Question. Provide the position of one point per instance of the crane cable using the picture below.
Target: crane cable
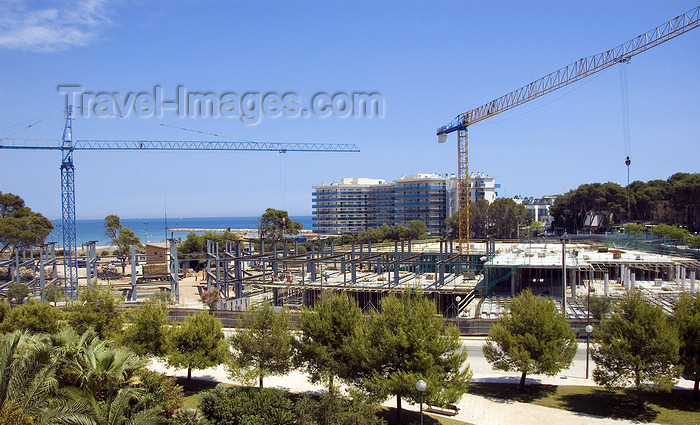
(206, 133)
(624, 97)
(38, 120)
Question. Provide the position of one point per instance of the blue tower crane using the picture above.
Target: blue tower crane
(67, 146)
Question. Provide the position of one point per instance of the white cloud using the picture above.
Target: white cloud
(50, 26)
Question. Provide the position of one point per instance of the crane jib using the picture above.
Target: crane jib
(576, 71)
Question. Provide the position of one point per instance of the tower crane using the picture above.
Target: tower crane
(569, 74)
(67, 146)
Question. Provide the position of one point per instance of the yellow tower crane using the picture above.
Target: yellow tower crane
(571, 73)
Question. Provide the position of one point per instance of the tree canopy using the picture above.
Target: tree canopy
(636, 345)
(197, 343)
(99, 308)
(687, 320)
(407, 342)
(532, 337)
(675, 201)
(263, 345)
(122, 237)
(275, 224)
(416, 230)
(571, 209)
(19, 225)
(502, 218)
(146, 333)
(328, 331)
(33, 317)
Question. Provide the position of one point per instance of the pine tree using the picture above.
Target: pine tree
(687, 320)
(408, 342)
(263, 345)
(637, 345)
(532, 337)
(328, 331)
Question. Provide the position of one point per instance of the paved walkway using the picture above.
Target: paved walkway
(473, 409)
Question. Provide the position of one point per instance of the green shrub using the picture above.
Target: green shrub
(17, 292)
(33, 317)
(189, 417)
(99, 308)
(162, 392)
(333, 409)
(4, 310)
(247, 406)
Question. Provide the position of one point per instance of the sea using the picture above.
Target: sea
(157, 229)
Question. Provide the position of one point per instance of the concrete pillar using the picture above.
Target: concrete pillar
(175, 271)
(606, 283)
(275, 269)
(312, 270)
(369, 247)
(692, 282)
(678, 274)
(133, 272)
(683, 273)
(343, 269)
(396, 273)
(238, 271)
(623, 276)
(633, 279)
(17, 264)
(574, 282)
(42, 275)
(512, 282)
(409, 246)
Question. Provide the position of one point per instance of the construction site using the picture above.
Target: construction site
(470, 280)
(471, 290)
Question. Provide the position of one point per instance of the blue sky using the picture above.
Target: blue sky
(429, 61)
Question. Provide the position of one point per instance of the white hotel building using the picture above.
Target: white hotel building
(356, 204)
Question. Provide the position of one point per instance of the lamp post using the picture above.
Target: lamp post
(458, 299)
(421, 386)
(589, 329)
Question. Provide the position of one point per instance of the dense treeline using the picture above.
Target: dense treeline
(502, 219)
(675, 201)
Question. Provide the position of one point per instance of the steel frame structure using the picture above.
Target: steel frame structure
(67, 146)
(226, 268)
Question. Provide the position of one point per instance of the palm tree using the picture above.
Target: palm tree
(28, 386)
(104, 377)
(100, 379)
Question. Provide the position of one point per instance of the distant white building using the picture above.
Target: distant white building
(356, 204)
(539, 210)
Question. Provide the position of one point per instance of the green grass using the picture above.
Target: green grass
(192, 389)
(413, 418)
(673, 408)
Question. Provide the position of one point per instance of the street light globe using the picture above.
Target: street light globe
(589, 328)
(458, 298)
(421, 385)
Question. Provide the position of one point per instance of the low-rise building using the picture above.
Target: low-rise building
(539, 210)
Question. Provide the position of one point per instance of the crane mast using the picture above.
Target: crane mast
(562, 77)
